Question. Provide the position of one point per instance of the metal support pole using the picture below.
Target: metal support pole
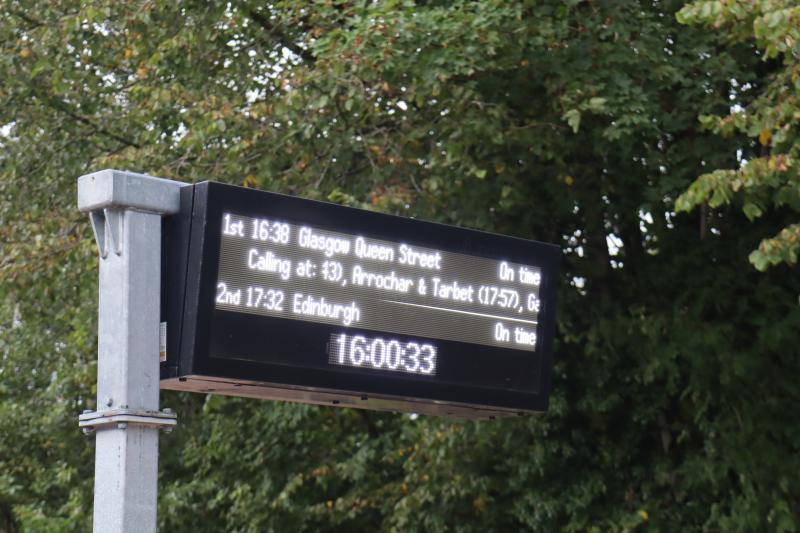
(125, 211)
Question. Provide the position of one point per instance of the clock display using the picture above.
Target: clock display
(378, 353)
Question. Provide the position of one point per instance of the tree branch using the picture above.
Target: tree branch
(278, 34)
(59, 105)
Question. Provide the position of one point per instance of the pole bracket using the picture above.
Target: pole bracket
(123, 418)
(107, 194)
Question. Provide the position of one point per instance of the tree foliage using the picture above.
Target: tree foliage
(569, 122)
(771, 179)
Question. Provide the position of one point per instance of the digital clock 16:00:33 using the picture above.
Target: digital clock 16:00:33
(382, 354)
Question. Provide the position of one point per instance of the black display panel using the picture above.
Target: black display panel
(283, 294)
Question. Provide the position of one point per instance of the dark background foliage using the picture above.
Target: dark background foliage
(675, 397)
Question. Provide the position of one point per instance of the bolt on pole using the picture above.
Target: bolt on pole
(125, 211)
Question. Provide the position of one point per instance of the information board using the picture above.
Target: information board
(316, 302)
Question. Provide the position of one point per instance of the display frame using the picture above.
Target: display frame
(192, 243)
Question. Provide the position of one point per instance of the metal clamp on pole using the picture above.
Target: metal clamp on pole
(91, 421)
(126, 210)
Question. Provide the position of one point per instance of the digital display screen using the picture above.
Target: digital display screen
(277, 296)
(301, 272)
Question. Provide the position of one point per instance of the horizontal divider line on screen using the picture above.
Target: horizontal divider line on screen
(460, 311)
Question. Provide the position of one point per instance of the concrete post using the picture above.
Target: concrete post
(125, 211)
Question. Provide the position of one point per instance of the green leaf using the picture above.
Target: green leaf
(752, 211)
(597, 104)
(40, 66)
(573, 118)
